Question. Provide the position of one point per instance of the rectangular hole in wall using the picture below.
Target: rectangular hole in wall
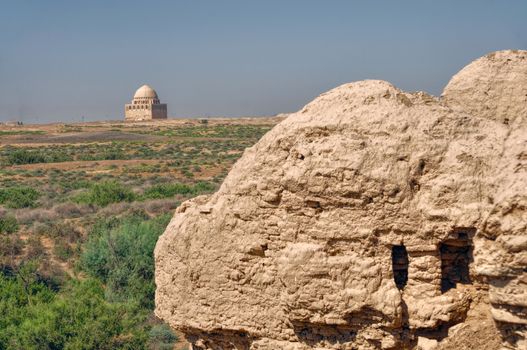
(400, 265)
(456, 255)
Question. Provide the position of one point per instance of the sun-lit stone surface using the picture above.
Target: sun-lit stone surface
(295, 249)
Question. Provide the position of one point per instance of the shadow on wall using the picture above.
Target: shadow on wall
(220, 340)
(456, 255)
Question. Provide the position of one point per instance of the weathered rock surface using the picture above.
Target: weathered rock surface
(371, 219)
(493, 86)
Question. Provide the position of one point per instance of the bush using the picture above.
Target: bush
(170, 190)
(34, 317)
(8, 224)
(22, 156)
(18, 156)
(113, 155)
(104, 193)
(19, 197)
(121, 254)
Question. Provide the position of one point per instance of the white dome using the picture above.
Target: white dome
(145, 91)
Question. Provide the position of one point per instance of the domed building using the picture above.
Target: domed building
(145, 106)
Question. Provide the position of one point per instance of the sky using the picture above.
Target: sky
(68, 60)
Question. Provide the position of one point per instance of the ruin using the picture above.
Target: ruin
(373, 218)
(145, 106)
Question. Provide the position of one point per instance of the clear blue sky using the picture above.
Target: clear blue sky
(60, 60)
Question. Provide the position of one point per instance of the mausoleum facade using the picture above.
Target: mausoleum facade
(145, 106)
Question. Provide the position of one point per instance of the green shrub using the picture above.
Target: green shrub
(22, 156)
(19, 197)
(113, 154)
(8, 224)
(121, 254)
(104, 193)
(188, 173)
(18, 156)
(172, 189)
(34, 317)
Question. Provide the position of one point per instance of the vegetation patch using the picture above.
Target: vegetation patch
(121, 254)
(104, 193)
(8, 224)
(34, 317)
(218, 131)
(20, 132)
(172, 189)
(19, 197)
(98, 220)
(24, 156)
